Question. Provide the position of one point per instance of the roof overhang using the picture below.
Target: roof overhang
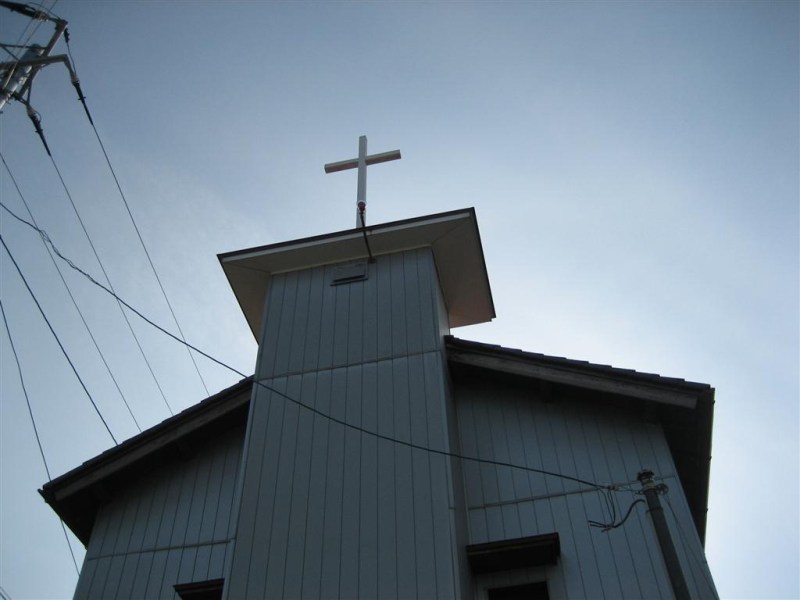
(684, 409)
(452, 236)
(77, 495)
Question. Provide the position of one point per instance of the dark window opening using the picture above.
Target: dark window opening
(200, 590)
(527, 591)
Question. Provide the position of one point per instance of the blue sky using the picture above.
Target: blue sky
(634, 168)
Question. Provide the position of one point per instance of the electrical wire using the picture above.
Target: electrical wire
(133, 222)
(311, 409)
(58, 341)
(108, 280)
(71, 297)
(35, 429)
(606, 527)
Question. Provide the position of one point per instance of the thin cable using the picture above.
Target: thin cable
(35, 429)
(311, 409)
(108, 280)
(605, 527)
(71, 297)
(136, 227)
(364, 231)
(58, 341)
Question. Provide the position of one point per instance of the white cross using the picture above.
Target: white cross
(362, 162)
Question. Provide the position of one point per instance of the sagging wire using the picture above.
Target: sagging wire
(35, 429)
(130, 214)
(58, 341)
(298, 403)
(361, 211)
(71, 296)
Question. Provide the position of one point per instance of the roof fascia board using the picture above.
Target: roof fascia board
(573, 376)
(87, 475)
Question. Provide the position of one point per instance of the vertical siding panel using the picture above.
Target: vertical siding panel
(478, 529)
(370, 315)
(385, 301)
(299, 504)
(560, 424)
(184, 503)
(328, 320)
(156, 574)
(170, 578)
(170, 507)
(505, 476)
(628, 538)
(216, 562)
(355, 319)
(84, 587)
(286, 330)
(223, 525)
(144, 493)
(126, 576)
(113, 577)
(387, 533)
(611, 544)
(186, 566)
(265, 496)
(113, 513)
(282, 504)
(644, 546)
(127, 516)
(197, 503)
(414, 324)
(368, 501)
(332, 532)
(428, 289)
(312, 564)
(213, 490)
(398, 314)
(537, 484)
(273, 315)
(313, 336)
(143, 567)
(584, 457)
(159, 491)
(99, 532)
(99, 578)
(406, 556)
(248, 511)
(341, 325)
(423, 517)
(547, 445)
(351, 489)
(301, 316)
(443, 501)
(201, 561)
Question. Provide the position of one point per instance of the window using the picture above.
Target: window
(200, 590)
(527, 591)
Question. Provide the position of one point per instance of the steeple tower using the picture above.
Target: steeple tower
(335, 507)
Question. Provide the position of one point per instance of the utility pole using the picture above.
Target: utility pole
(676, 578)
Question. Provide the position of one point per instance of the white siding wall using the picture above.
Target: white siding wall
(328, 511)
(513, 424)
(172, 526)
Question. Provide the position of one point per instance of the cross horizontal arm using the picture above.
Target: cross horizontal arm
(352, 163)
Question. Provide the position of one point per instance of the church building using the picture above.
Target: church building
(374, 455)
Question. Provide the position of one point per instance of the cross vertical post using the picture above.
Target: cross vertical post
(361, 163)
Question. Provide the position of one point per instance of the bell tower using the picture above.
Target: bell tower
(345, 490)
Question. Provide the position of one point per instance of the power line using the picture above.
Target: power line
(71, 297)
(311, 409)
(58, 341)
(35, 429)
(108, 279)
(136, 227)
